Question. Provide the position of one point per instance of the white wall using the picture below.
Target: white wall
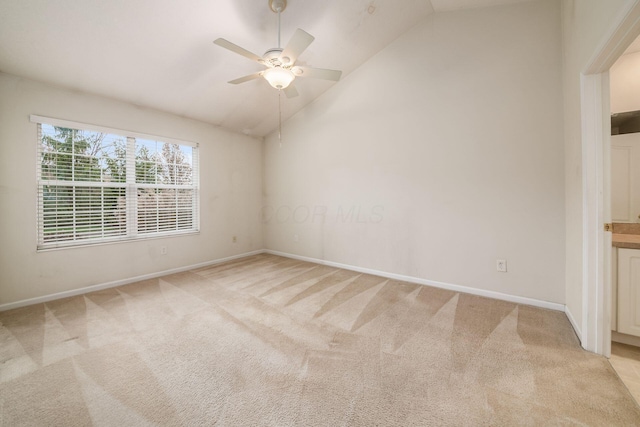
(625, 84)
(585, 23)
(446, 148)
(231, 178)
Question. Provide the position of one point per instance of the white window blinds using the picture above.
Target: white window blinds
(99, 185)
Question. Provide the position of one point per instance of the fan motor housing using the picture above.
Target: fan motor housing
(272, 56)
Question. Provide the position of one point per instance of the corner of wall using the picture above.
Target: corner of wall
(573, 322)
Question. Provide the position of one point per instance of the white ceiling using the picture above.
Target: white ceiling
(159, 53)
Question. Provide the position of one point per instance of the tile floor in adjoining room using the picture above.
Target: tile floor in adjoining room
(625, 359)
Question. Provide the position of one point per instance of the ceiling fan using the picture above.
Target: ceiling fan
(281, 70)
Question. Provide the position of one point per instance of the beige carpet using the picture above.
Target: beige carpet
(269, 341)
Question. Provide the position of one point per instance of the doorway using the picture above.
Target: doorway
(624, 84)
(596, 168)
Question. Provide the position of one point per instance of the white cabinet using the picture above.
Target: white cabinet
(625, 177)
(614, 289)
(629, 291)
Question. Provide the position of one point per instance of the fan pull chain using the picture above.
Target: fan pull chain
(280, 116)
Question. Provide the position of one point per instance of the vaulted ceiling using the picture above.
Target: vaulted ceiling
(159, 53)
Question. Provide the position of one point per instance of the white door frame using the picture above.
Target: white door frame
(596, 163)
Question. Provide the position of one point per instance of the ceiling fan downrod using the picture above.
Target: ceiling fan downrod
(278, 6)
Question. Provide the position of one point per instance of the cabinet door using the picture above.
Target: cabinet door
(625, 177)
(629, 291)
(614, 289)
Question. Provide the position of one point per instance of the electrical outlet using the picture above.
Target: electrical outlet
(163, 250)
(234, 239)
(501, 265)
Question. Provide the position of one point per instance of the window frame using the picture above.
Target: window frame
(132, 233)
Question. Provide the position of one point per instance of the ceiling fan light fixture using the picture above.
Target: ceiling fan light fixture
(278, 77)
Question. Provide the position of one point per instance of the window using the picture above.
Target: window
(98, 185)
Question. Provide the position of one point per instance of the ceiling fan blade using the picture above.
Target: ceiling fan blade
(298, 43)
(317, 73)
(246, 78)
(291, 91)
(237, 49)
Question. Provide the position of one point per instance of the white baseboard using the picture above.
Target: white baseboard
(101, 286)
(573, 322)
(625, 339)
(443, 285)
(457, 288)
